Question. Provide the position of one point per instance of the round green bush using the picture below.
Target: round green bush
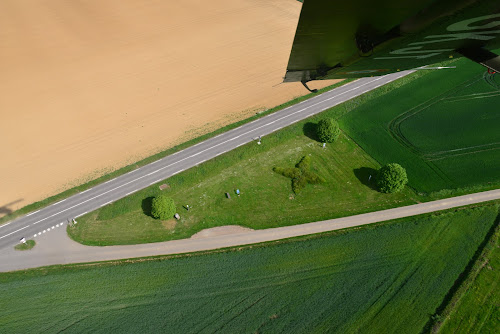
(328, 130)
(391, 178)
(162, 207)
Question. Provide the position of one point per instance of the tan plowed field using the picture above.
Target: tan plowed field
(88, 86)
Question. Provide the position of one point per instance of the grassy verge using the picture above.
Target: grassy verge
(126, 169)
(473, 307)
(387, 278)
(266, 198)
(25, 246)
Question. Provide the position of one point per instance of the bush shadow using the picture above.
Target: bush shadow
(363, 175)
(146, 206)
(309, 130)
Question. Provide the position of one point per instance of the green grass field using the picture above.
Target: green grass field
(388, 278)
(26, 246)
(478, 311)
(443, 127)
(266, 198)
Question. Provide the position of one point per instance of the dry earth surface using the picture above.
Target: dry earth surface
(89, 86)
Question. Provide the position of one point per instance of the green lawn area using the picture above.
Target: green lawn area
(478, 310)
(442, 127)
(266, 198)
(385, 278)
(26, 246)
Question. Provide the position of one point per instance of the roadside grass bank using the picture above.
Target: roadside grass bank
(67, 193)
(443, 128)
(266, 198)
(474, 307)
(387, 277)
(25, 246)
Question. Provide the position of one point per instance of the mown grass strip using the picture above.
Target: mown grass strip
(266, 198)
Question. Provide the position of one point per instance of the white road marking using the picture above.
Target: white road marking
(34, 236)
(5, 224)
(81, 214)
(108, 181)
(60, 201)
(39, 233)
(14, 232)
(85, 191)
(43, 231)
(29, 214)
(52, 227)
(130, 193)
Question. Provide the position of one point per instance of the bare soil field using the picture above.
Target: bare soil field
(89, 86)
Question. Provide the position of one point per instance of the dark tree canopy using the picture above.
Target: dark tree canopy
(391, 178)
(328, 130)
(300, 175)
(162, 207)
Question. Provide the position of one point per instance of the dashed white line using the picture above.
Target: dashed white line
(60, 201)
(5, 224)
(14, 232)
(29, 214)
(81, 214)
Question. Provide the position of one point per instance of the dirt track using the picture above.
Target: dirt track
(89, 86)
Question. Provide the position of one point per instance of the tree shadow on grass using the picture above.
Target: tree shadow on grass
(309, 130)
(363, 175)
(146, 206)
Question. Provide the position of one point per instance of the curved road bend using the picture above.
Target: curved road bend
(57, 248)
(37, 222)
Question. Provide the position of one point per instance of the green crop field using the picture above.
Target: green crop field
(388, 278)
(478, 310)
(266, 198)
(443, 127)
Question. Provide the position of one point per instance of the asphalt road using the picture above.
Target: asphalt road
(37, 223)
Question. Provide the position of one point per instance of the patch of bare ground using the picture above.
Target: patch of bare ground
(220, 230)
(169, 224)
